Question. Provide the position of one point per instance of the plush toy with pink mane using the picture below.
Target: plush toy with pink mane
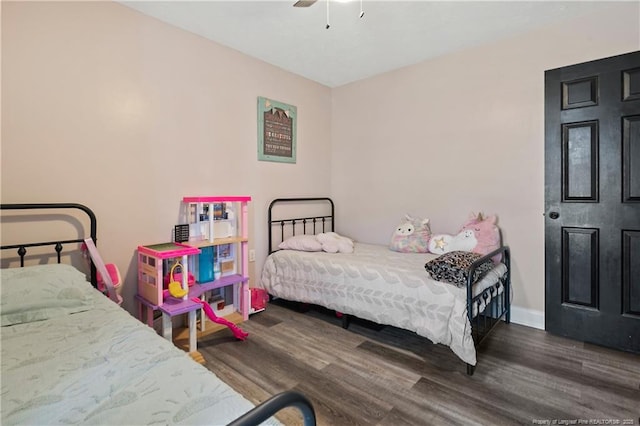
(485, 231)
(478, 235)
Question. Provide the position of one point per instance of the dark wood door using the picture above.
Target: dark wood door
(592, 201)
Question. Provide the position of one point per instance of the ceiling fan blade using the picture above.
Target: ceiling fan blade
(304, 3)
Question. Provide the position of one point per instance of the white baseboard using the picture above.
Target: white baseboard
(528, 317)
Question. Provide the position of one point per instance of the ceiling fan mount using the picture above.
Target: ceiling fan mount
(307, 3)
(304, 3)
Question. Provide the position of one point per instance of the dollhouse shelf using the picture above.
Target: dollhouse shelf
(218, 242)
(173, 306)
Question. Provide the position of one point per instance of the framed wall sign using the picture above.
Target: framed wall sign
(276, 131)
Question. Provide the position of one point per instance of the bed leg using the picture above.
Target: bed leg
(304, 307)
(506, 311)
(345, 321)
(470, 369)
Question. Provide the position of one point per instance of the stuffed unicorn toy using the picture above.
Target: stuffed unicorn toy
(479, 235)
(411, 236)
(485, 231)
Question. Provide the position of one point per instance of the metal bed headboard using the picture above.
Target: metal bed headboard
(316, 224)
(58, 245)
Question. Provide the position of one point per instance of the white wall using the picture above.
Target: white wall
(108, 107)
(463, 133)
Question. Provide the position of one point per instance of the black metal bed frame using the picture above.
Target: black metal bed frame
(313, 221)
(59, 244)
(268, 408)
(255, 416)
(497, 303)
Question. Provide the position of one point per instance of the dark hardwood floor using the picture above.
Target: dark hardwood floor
(373, 375)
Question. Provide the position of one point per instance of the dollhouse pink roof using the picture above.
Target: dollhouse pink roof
(215, 199)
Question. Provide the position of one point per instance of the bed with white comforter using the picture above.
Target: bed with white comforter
(383, 286)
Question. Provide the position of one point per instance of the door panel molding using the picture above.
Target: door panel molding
(580, 172)
(580, 93)
(631, 272)
(631, 84)
(631, 159)
(580, 272)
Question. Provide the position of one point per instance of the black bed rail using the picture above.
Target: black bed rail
(497, 304)
(292, 222)
(58, 245)
(273, 405)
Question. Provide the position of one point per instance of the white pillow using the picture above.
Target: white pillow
(333, 242)
(302, 243)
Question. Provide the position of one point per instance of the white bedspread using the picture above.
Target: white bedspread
(379, 285)
(103, 366)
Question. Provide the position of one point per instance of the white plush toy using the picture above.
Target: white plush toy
(479, 235)
(335, 243)
(444, 243)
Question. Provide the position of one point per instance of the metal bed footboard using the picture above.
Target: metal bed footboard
(273, 405)
(58, 245)
(497, 304)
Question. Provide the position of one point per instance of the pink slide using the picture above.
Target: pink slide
(237, 331)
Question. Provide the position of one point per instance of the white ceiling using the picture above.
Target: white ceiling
(392, 34)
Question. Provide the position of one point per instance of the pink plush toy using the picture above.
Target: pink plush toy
(411, 236)
(485, 231)
(479, 235)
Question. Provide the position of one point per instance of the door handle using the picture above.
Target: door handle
(554, 215)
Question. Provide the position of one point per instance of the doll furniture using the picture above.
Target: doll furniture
(196, 255)
(151, 294)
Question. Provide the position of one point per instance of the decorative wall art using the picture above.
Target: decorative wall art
(276, 131)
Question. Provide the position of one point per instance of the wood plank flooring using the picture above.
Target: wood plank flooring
(374, 375)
